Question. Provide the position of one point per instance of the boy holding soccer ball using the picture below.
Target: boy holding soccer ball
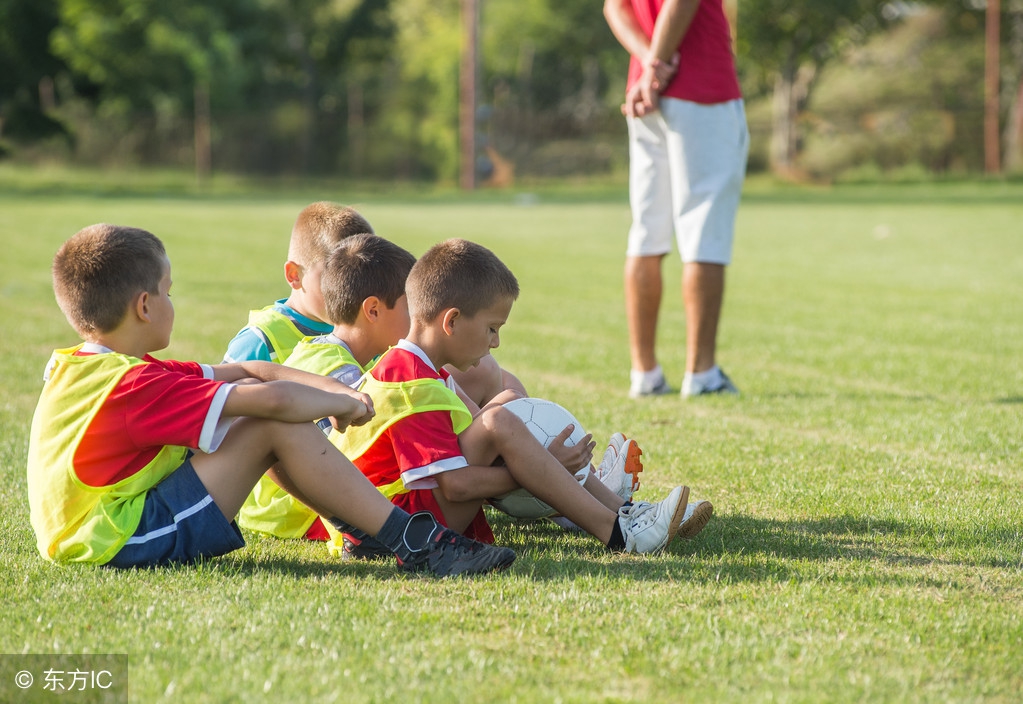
(111, 477)
(363, 286)
(426, 451)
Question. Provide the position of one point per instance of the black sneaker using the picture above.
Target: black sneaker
(448, 553)
(366, 549)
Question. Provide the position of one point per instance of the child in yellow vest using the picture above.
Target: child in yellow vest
(112, 479)
(426, 450)
(273, 332)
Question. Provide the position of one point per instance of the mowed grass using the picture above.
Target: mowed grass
(867, 543)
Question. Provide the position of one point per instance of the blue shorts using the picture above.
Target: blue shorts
(180, 524)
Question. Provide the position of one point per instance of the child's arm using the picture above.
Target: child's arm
(291, 395)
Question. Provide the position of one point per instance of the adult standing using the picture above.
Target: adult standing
(688, 144)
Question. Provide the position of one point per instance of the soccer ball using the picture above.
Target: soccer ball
(545, 420)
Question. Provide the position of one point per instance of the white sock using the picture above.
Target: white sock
(645, 381)
(710, 379)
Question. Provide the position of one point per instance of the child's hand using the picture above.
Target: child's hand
(362, 411)
(575, 457)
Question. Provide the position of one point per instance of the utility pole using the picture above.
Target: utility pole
(467, 98)
(992, 34)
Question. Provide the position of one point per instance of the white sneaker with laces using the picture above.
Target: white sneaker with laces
(649, 527)
(619, 469)
(696, 517)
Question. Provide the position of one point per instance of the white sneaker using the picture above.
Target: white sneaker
(723, 385)
(620, 468)
(638, 388)
(696, 517)
(649, 527)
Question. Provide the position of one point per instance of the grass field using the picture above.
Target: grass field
(868, 537)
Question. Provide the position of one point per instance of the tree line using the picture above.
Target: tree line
(370, 88)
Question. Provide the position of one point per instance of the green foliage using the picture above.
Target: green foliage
(777, 36)
(24, 64)
(908, 99)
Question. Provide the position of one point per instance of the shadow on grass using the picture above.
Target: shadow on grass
(1010, 399)
(733, 549)
(750, 549)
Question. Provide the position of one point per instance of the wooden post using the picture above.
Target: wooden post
(992, 144)
(467, 99)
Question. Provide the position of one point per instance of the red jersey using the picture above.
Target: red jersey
(160, 403)
(706, 70)
(417, 447)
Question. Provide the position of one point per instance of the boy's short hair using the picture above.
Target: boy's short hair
(99, 271)
(457, 274)
(320, 227)
(362, 266)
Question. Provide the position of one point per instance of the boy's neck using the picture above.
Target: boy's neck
(121, 344)
(428, 343)
(298, 305)
(359, 343)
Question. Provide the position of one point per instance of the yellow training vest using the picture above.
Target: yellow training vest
(75, 522)
(394, 401)
(279, 329)
(269, 508)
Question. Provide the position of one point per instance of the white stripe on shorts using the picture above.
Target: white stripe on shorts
(167, 530)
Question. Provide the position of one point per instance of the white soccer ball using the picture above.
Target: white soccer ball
(545, 420)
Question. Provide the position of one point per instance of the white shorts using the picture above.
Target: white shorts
(687, 162)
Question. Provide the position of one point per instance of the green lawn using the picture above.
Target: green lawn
(867, 543)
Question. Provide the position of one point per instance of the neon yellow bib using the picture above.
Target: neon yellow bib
(394, 401)
(269, 508)
(280, 331)
(75, 522)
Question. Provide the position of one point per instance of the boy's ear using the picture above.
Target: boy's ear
(448, 318)
(371, 308)
(140, 306)
(293, 274)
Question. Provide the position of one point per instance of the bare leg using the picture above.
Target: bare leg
(643, 290)
(703, 288)
(321, 477)
(602, 494)
(499, 433)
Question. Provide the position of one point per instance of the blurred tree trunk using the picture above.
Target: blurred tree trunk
(203, 151)
(1014, 132)
(791, 90)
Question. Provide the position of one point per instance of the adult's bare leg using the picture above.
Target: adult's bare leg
(703, 289)
(643, 291)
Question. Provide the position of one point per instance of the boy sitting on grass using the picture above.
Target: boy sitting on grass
(273, 332)
(111, 477)
(363, 286)
(426, 451)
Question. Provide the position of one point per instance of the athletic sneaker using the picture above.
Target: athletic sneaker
(649, 527)
(447, 553)
(697, 515)
(366, 549)
(660, 388)
(619, 469)
(691, 388)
